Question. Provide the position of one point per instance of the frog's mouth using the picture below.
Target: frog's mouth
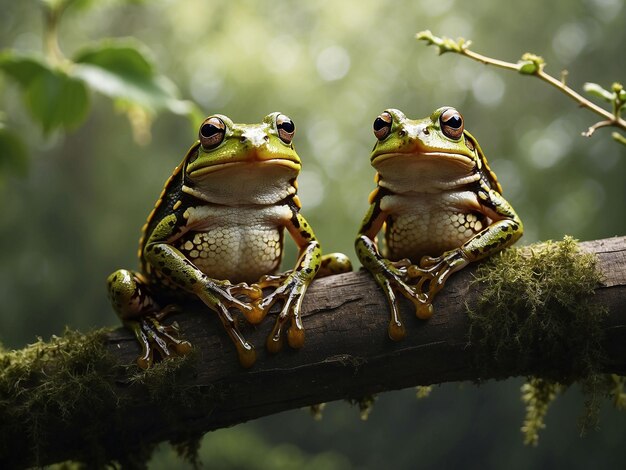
(200, 172)
(443, 157)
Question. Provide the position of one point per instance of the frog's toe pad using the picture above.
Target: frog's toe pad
(295, 337)
(423, 310)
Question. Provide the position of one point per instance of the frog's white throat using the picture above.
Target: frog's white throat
(245, 184)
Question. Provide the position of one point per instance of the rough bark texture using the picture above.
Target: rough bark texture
(347, 354)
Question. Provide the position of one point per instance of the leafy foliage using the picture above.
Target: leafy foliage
(55, 89)
(121, 70)
(13, 153)
(54, 98)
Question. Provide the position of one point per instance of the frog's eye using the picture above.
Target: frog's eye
(212, 132)
(382, 125)
(286, 128)
(452, 123)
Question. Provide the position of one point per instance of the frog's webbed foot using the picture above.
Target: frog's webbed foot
(153, 336)
(222, 296)
(432, 273)
(392, 278)
(290, 289)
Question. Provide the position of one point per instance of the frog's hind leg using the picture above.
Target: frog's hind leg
(139, 312)
(334, 263)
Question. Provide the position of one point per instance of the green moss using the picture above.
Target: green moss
(60, 390)
(365, 404)
(536, 313)
(537, 394)
(47, 382)
(423, 391)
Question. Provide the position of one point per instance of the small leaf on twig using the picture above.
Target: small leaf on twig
(443, 43)
(596, 90)
(530, 64)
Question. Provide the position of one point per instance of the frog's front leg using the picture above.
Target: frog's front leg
(129, 295)
(290, 287)
(506, 229)
(219, 296)
(390, 276)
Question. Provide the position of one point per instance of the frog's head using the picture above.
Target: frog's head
(432, 151)
(236, 163)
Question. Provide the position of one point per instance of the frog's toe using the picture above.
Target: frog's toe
(295, 337)
(253, 292)
(246, 354)
(424, 310)
(272, 280)
(144, 362)
(396, 330)
(274, 342)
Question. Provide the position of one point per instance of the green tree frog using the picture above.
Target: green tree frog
(438, 203)
(216, 234)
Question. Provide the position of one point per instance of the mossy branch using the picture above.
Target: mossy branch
(532, 64)
(81, 397)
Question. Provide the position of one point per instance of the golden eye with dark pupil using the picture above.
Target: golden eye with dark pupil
(382, 125)
(452, 123)
(212, 132)
(286, 128)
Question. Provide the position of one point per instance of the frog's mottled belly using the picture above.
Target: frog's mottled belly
(240, 244)
(429, 224)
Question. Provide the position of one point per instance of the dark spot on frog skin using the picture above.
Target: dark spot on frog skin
(305, 234)
(491, 246)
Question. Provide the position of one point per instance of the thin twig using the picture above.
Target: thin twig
(531, 64)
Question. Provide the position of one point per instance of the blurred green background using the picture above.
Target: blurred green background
(71, 212)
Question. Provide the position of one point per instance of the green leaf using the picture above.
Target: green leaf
(21, 68)
(122, 70)
(53, 98)
(599, 92)
(13, 154)
(444, 44)
(530, 64)
(57, 100)
(619, 138)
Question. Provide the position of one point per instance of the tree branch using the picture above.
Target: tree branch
(347, 355)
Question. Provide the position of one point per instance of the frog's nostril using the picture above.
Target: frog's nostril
(243, 138)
